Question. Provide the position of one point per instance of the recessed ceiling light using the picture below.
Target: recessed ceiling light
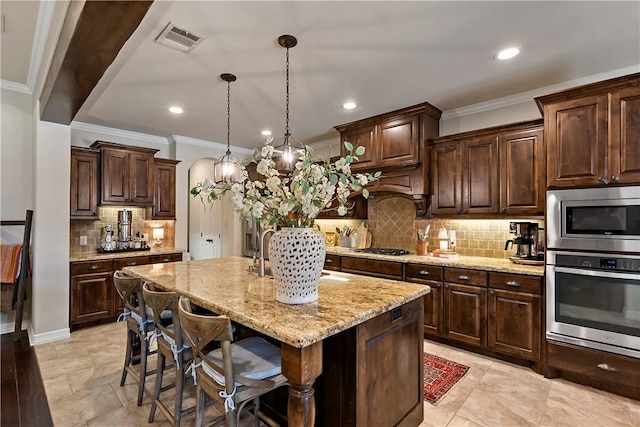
(175, 110)
(507, 53)
(265, 132)
(349, 105)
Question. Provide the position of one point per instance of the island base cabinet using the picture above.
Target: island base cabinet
(465, 313)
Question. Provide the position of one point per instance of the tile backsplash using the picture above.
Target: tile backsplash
(392, 223)
(109, 215)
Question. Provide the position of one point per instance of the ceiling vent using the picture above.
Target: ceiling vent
(178, 38)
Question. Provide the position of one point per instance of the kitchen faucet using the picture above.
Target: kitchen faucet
(263, 233)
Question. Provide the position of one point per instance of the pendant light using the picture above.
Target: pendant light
(291, 150)
(225, 169)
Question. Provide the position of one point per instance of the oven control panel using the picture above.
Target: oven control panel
(598, 262)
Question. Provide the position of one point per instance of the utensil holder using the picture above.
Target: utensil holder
(422, 247)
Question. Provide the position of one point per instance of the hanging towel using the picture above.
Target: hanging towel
(10, 269)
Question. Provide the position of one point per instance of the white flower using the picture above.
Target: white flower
(363, 180)
(263, 166)
(342, 210)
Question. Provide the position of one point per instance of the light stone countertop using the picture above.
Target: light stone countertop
(225, 286)
(476, 263)
(96, 256)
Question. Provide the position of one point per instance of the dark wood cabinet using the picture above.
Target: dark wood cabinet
(85, 181)
(357, 208)
(465, 306)
(491, 171)
(332, 262)
(127, 174)
(433, 301)
(592, 134)
(164, 195)
(396, 145)
(369, 267)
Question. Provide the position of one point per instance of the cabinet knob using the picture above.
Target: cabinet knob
(436, 285)
(328, 261)
(513, 283)
(446, 286)
(614, 178)
(93, 267)
(603, 180)
(424, 272)
(165, 260)
(132, 263)
(463, 277)
(607, 367)
(491, 292)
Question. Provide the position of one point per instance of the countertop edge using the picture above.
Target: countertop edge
(76, 257)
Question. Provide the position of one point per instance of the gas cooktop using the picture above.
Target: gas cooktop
(383, 251)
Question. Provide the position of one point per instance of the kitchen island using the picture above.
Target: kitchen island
(369, 328)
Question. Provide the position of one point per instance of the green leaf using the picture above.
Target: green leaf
(348, 146)
(348, 159)
(360, 150)
(377, 174)
(365, 193)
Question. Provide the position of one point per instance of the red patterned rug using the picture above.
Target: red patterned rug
(440, 375)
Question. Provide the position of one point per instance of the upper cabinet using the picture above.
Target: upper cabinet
(498, 170)
(127, 174)
(592, 134)
(164, 196)
(85, 181)
(395, 144)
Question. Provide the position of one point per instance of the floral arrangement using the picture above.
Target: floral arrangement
(295, 199)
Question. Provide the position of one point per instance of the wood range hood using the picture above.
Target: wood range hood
(396, 144)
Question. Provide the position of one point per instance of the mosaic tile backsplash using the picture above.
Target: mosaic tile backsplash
(392, 223)
(109, 215)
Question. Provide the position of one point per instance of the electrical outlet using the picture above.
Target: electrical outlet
(83, 240)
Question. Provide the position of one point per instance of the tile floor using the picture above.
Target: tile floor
(81, 376)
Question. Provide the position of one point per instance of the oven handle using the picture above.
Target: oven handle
(595, 273)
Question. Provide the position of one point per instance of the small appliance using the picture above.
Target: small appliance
(526, 243)
(124, 225)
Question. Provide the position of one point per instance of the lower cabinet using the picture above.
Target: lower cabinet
(431, 276)
(93, 298)
(376, 268)
(465, 313)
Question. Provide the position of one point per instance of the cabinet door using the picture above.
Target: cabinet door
(164, 205)
(91, 297)
(624, 146)
(363, 137)
(480, 189)
(399, 141)
(115, 176)
(433, 309)
(84, 184)
(576, 138)
(514, 323)
(446, 162)
(141, 178)
(522, 173)
(465, 313)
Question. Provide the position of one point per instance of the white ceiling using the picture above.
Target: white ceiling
(382, 55)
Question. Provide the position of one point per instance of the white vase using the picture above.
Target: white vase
(297, 258)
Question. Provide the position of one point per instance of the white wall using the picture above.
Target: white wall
(452, 124)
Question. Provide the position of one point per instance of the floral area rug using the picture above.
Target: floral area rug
(440, 375)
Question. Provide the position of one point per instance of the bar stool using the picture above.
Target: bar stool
(138, 327)
(235, 374)
(171, 345)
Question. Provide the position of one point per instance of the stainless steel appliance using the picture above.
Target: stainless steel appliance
(124, 225)
(250, 239)
(593, 300)
(526, 242)
(594, 219)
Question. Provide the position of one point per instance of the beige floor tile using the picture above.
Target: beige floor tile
(572, 404)
(83, 406)
(467, 358)
(458, 421)
(130, 415)
(433, 347)
(63, 366)
(56, 388)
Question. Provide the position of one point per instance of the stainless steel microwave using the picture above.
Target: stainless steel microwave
(605, 219)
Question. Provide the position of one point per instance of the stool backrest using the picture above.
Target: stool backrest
(158, 302)
(130, 290)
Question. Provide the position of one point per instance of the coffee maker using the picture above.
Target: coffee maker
(526, 242)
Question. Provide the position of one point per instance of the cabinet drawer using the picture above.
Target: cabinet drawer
(88, 267)
(153, 259)
(332, 262)
(606, 367)
(419, 273)
(466, 276)
(119, 264)
(375, 268)
(515, 282)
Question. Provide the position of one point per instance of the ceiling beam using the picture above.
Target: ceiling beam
(92, 35)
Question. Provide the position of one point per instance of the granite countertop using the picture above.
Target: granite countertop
(477, 263)
(225, 286)
(95, 256)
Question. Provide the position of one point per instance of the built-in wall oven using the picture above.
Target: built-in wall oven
(593, 268)
(593, 300)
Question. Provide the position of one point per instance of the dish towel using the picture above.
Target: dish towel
(9, 269)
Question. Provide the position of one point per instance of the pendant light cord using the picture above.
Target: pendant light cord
(286, 128)
(228, 117)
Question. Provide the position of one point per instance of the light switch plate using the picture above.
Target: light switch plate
(83, 240)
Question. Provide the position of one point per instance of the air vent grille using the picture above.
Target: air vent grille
(178, 38)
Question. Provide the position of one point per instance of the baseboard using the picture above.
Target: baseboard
(47, 337)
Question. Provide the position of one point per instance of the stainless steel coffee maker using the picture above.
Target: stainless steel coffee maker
(124, 227)
(526, 242)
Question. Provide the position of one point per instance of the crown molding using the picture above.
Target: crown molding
(15, 87)
(45, 18)
(210, 144)
(528, 96)
(119, 133)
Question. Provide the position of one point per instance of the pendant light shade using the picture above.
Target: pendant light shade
(291, 150)
(226, 169)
